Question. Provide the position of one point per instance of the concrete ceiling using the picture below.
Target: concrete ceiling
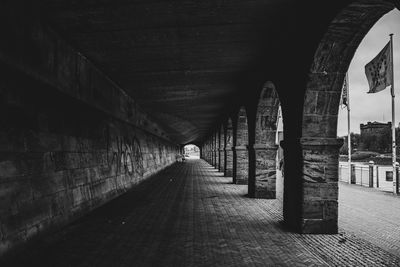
(186, 62)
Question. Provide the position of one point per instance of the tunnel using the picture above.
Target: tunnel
(100, 97)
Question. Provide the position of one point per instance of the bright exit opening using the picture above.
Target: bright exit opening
(192, 151)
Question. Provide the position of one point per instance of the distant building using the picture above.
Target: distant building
(375, 136)
(375, 128)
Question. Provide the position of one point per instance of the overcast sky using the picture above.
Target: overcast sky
(372, 107)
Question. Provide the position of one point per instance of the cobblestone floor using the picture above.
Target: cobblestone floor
(189, 215)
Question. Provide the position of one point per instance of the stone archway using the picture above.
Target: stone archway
(263, 184)
(319, 143)
(241, 148)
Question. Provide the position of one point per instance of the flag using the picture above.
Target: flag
(379, 71)
(345, 93)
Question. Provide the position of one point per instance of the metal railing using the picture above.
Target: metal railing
(369, 175)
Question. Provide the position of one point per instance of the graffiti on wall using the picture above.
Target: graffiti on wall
(125, 154)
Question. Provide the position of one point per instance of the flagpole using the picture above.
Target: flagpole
(395, 191)
(348, 126)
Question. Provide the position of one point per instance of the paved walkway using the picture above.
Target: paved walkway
(189, 215)
(370, 214)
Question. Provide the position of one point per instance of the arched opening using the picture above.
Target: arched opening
(370, 114)
(241, 149)
(263, 185)
(191, 151)
(319, 140)
(370, 170)
(280, 176)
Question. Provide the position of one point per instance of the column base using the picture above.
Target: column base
(320, 185)
(264, 194)
(242, 161)
(264, 183)
(319, 226)
(229, 162)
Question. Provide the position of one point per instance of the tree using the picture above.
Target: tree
(355, 141)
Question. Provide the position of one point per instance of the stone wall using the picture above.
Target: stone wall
(70, 138)
(60, 158)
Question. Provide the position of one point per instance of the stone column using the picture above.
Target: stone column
(209, 152)
(242, 164)
(228, 161)
(234, 165)
(228, 150)
(222, 151)
(212, 145)
(215, 152)
(205, 151)
(264, 184)
(222, 159)
(218, 151)
(320, 185)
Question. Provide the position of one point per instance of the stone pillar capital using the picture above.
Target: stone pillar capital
(239, 148)
(265, 146)
(321, 142)
(312, 142)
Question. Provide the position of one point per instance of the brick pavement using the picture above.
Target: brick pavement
(370, 214)
(190, 215)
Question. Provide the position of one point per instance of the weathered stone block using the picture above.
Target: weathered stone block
(330, 210)
(313, 209)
